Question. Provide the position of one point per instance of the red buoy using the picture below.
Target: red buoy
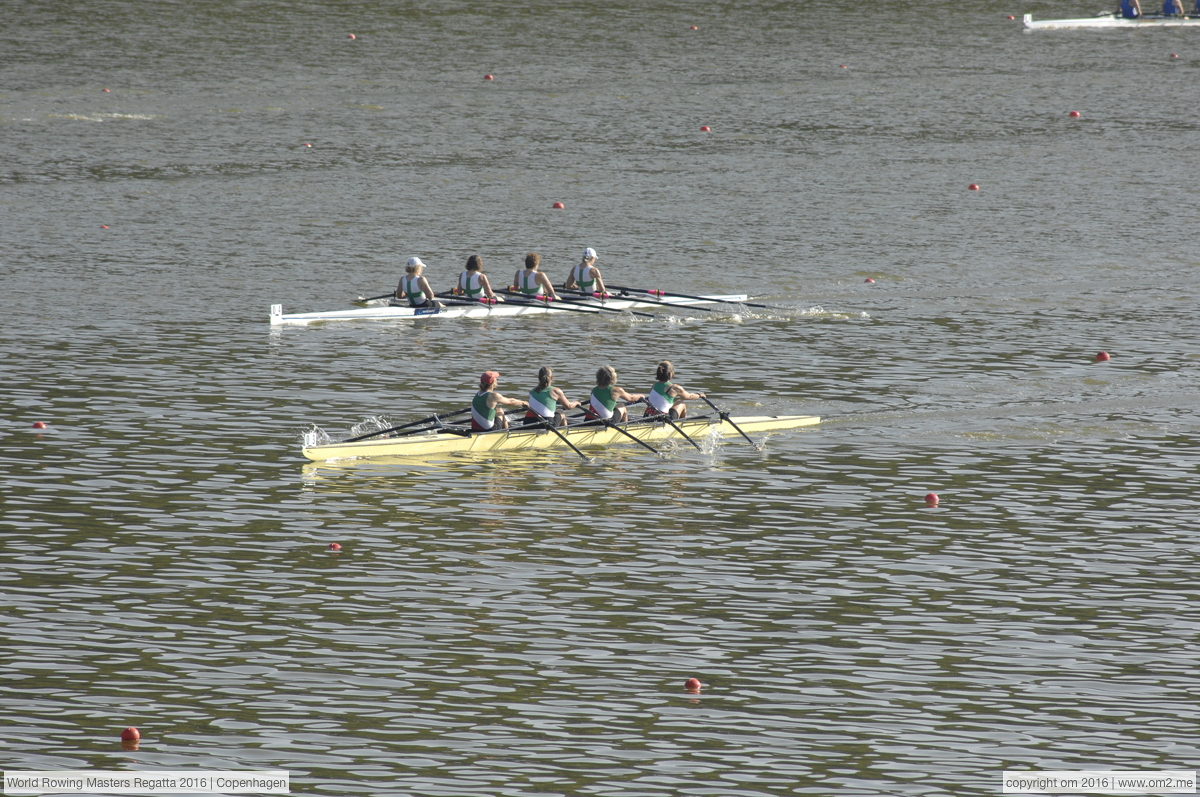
(351, 36)
(844, 66)
(1074, 114)
(488, 77)
(1102, 357)
(973, 187)
(558, 206)
(1011, 17)
(868, 279)
(107, 89)
(335, 546)
(130, 734)
(931, 499)
(705, 129)
(39, 425)
(694, 27)
(1173, 55)
(693, 685)
(307, 144)
(104, 226)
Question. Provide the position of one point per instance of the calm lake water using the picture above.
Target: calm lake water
(524, 624)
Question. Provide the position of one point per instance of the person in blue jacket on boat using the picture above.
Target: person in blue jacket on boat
(1173, 8)
(1130, 9)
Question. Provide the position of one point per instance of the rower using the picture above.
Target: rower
(1172, 8)
(1130, 9)
(473, 283)
(414, 288)
(484, 415)
(545, 399)
(602, 404)
(586, 277)
(667, 396)
(531, 283)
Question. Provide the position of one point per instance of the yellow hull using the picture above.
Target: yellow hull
(519, 438)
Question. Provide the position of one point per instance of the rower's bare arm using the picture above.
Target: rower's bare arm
(569, 285)
(562, 399)
(599, 281)
(487, 286)
(545, 282)
(624, 395)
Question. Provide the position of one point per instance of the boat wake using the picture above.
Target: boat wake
(375, 424)
(316, 436)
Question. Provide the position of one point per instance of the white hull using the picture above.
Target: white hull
(388, 313)
(1112, 21)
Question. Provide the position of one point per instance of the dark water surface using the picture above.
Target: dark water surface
(524, 625)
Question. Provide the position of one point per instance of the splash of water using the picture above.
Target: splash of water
(375, 424)
(316, 436)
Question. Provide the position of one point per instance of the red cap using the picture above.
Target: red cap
(489, 377)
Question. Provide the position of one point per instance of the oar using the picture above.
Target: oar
(689, 296)
(555, 305)
(365, 299)
(597, 296)
(601, 306)
(666, 416)
(725, 417)
(431, 419)
(642, 443)
(549, 425)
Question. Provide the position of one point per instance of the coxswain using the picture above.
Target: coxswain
(602, 405)
(484, 413)
(473, 283)
(1173, 8)
(414, 290)
(531, 283)
(1130, 9)
(586, 278)
(667, 396)
(548, 403)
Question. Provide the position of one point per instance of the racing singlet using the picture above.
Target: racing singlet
(528, 284)
(483, 417)
(1169, 8)
(470, 284)
(589, 285)
(1127, 10)
(658, 398)
(412, 290)
(540, 403)
(601, 403)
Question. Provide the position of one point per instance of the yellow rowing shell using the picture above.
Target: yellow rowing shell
(519, 438)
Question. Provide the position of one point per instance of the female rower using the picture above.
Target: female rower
(532, 283)
(585, 277)
(544, 400)
(666, 396)
(484, 415)
(1172, 8)
(414, 288)
(603, 402)
(1130, 9)
(473, 283)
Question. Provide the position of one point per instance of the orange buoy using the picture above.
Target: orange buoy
(1102, 357)
(693, 685)
(1074, 114)
(335, 546)
(844, 66)
(558, 206)
(104, 226)
(39, 424)
(705, 129)
(351, 36)
(488, 77)
(973, 187)
(104, 89)
(130, 734)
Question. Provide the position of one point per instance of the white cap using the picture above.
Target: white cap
(415, 261)
(589, 252)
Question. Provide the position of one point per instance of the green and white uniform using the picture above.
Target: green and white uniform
(471, 284)
(540, 403)
(527, 283)
(659, 399)
(586, 285)
(411, 288)
(601, 403)
(483, 417)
